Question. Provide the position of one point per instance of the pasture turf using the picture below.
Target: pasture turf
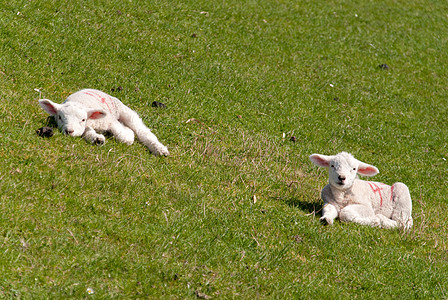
(234, 211)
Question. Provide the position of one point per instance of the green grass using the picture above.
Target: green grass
(130, 225)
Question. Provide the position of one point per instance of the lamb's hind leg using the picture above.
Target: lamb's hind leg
(402, 202)
(132, 120)
(359, 214)
(386, 222)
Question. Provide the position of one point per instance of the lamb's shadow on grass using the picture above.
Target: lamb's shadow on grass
(51, 122)
(47, 131)
(310, 208)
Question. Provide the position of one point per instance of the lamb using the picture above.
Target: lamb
(89, 113)
(363, 202)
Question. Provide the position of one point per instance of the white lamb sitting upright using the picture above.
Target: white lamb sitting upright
(364, 202)
(89, 113)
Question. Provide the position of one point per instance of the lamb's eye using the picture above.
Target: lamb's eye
(354, 169)
(59, 117)
(332, 166)
(83, 120)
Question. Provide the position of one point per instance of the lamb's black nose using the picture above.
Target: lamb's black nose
(69, 131)
(341, 178)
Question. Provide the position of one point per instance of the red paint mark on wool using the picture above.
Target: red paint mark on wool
(376, 189)
(101, 99)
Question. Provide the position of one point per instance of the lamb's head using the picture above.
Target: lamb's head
(71, 117)
(343, 168)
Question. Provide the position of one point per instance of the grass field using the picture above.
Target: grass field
(239, 79)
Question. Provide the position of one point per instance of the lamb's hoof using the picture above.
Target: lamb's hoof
(325, 222)
(99, 141)
(163, 151)
(407, 224)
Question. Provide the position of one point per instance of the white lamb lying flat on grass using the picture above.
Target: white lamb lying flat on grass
(89, 113)
(364, 202)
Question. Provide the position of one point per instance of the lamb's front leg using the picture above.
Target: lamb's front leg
(93, 137)
(329, 213)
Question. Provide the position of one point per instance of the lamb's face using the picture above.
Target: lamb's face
(71, 120)
(71, 117)
(343, 168)
(342, 171)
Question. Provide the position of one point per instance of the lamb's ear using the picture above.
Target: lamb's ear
(49, 106)
(367, 170)
(96, 114)
(320, 160)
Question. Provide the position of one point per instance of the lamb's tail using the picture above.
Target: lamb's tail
(132, 120)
